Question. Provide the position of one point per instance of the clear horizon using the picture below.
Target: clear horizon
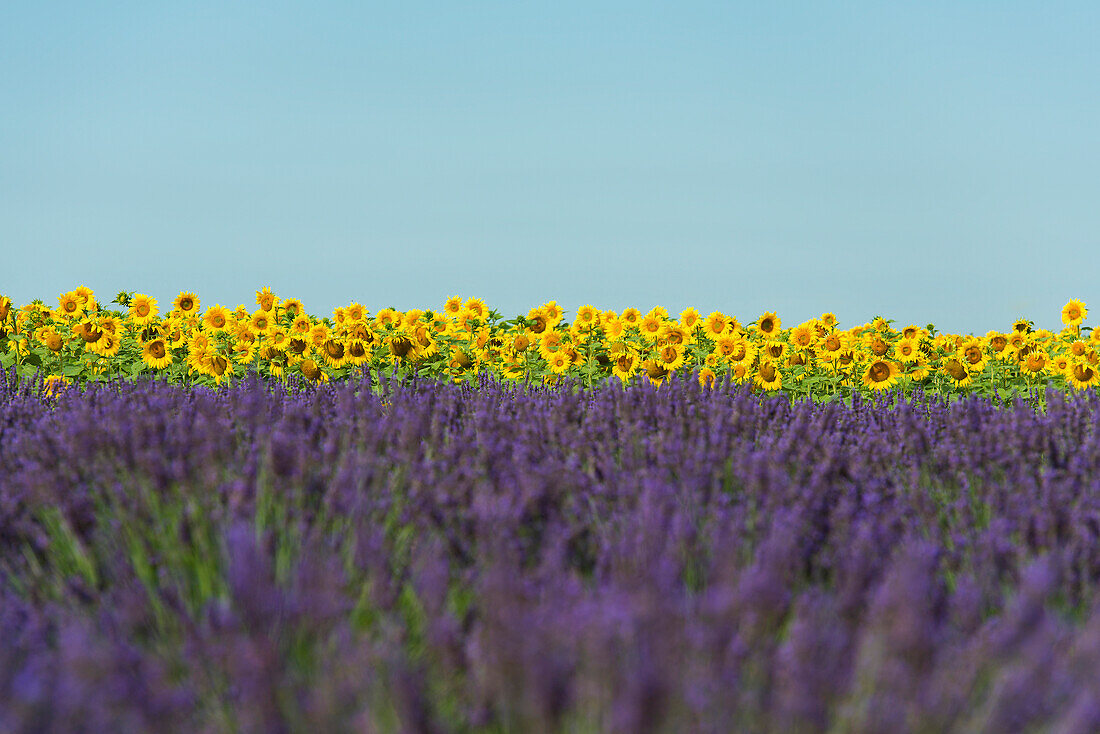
(934, 164)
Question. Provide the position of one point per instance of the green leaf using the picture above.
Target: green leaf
(72, 370)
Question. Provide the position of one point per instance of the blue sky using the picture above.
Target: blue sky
(933, 162)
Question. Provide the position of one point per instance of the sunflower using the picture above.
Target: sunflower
(769, 324)
(355, 312)
(553, 312)
(187, 303)
(1035, 363)
(293, 308)
(689, 319)
(918, 370)
(400, 346)
(706, 377)
(1082, 374)
(998, 344)
(244, 351)
(318, 335)
(312, 371)
(632, 317)
(424, 342)
(89, 331)
(107, 345)
(831, 345)
(549, 344)
(774, 350)
(155, 354)
(143, 309)
(334, 353)
(670, 357)
(881, 374)
(907, 350)
(559, 362)
(265, 299)
(803, 335)
(216, 318)
(614, 329)
(875, 344)
(715, 325)
(477, 307)
(52, 339)
(87, 298)
(972, 353)
(673, 333)
(298, 347)
(588, 317)
(624, 366)
(1074, 312)
(453, 306)
(828, 320)
(655, 371)
(70, 305)
(957, 373)
(261, 321)
(767, 376)
(387, 317)
(651, 327)
(737, 350)
(217, 367)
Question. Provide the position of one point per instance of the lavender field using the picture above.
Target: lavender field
(428, 557)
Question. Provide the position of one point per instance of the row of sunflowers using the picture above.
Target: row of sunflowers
(80, 339)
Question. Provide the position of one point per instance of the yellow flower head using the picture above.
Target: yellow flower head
(265, 299)
(769, 324)
(1074, 312)
(143, 309)
(186, 303)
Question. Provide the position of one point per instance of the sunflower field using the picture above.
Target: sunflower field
(80, 340)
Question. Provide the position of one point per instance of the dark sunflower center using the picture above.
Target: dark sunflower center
(1083, 372)
(880, 372)
(832, 344)
(186, 304)
(157, 350)
(310, 369)
(334, 349)
(766, 325)
(973, 355)
(998, 343)
(955, 369)
(879, 347)
(767, 373)
(142, 309)
(656, 371)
